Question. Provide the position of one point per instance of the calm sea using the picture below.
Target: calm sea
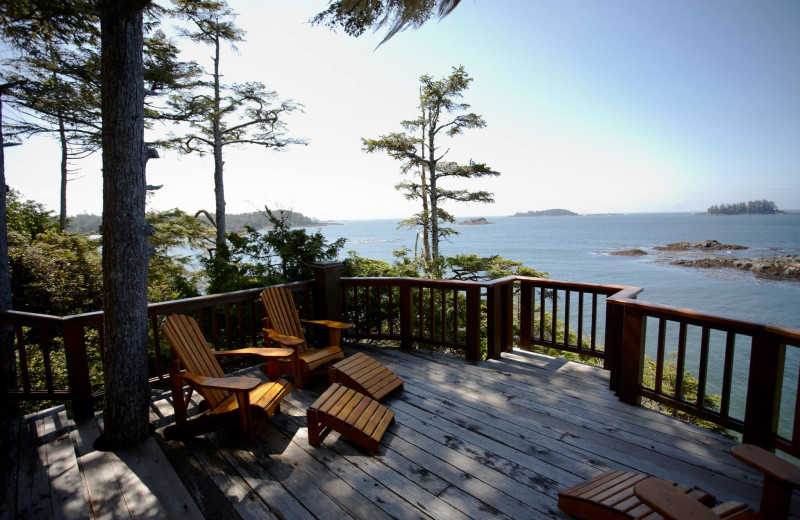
(578, 249)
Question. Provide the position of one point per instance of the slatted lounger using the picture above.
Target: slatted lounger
(609, 496)
(366, 375)
(357, 417)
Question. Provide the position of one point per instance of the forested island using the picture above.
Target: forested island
(547, 213)
(753, 207)
(89, 223)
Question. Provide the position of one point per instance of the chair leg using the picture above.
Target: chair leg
(314, 438)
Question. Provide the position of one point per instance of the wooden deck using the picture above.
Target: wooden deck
(495, 439)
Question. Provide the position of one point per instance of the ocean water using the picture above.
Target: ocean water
(577, 248)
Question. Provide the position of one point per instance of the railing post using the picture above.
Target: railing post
(615, 314)
(763, 400)
(406, 311)
(499, 319)
(328, 293)
(77, 360)
(631, 358)
(507, 315)
(525, 314)
(494, 346)
(473, 349)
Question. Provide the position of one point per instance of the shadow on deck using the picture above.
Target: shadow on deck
(495, 439)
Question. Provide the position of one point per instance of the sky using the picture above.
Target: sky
(617, 106)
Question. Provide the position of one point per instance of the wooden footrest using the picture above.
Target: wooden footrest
(357, 417)
(609, 496)
(366, 375)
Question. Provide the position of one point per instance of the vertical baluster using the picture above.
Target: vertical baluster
(254, 328)
(541, 313)
(525, 314)
(566, 318)
(156, 346)
(431, 313)
(727, 374)
(391, 310)
(580, 319)
(406, 315)
(368, 306)
(420, 311)
(681, 364)
(796, 421)
(200, 320)
(594, 322)
(228, 331)
(48, 365)
(215, 328)
(240, 324)
(23, 359)
(456, 317)
(662, 334)
(443, 327)
(703, 375)
(554, 319)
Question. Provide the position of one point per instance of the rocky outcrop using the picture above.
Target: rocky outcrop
(629, 252)
(785, 267)
(480, 221)
(703, 245)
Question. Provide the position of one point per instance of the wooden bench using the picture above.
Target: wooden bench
(366, 375)
(610, 496)
(357, 417)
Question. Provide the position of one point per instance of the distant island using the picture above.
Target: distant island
(548, 213)
(480, 221)
(754, 207)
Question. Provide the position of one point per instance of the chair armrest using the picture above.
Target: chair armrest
(286, 341)
(768, 463)
(262, 352)
(231, 384)
(329, 324)
(670, 502)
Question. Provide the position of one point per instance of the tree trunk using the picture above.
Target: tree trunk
(426, 215)
(62, 135)
(219, 186)
(434, 206)
(62, 220)
(8, 370)
(125, 251)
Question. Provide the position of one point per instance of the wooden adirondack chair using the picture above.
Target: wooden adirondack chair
(284, 326)
(246, 401)
(781, 478)
(633, 496)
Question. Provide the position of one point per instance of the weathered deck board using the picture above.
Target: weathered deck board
(489, 440)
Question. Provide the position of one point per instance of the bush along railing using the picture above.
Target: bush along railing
(752, 367)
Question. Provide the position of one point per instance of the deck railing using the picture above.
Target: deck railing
(752, 367)
(755, 377)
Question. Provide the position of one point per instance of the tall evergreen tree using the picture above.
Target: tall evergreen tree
(440, 116)
(220, 116)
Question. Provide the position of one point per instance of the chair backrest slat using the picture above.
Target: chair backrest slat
(190, 346)
(283, 316)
